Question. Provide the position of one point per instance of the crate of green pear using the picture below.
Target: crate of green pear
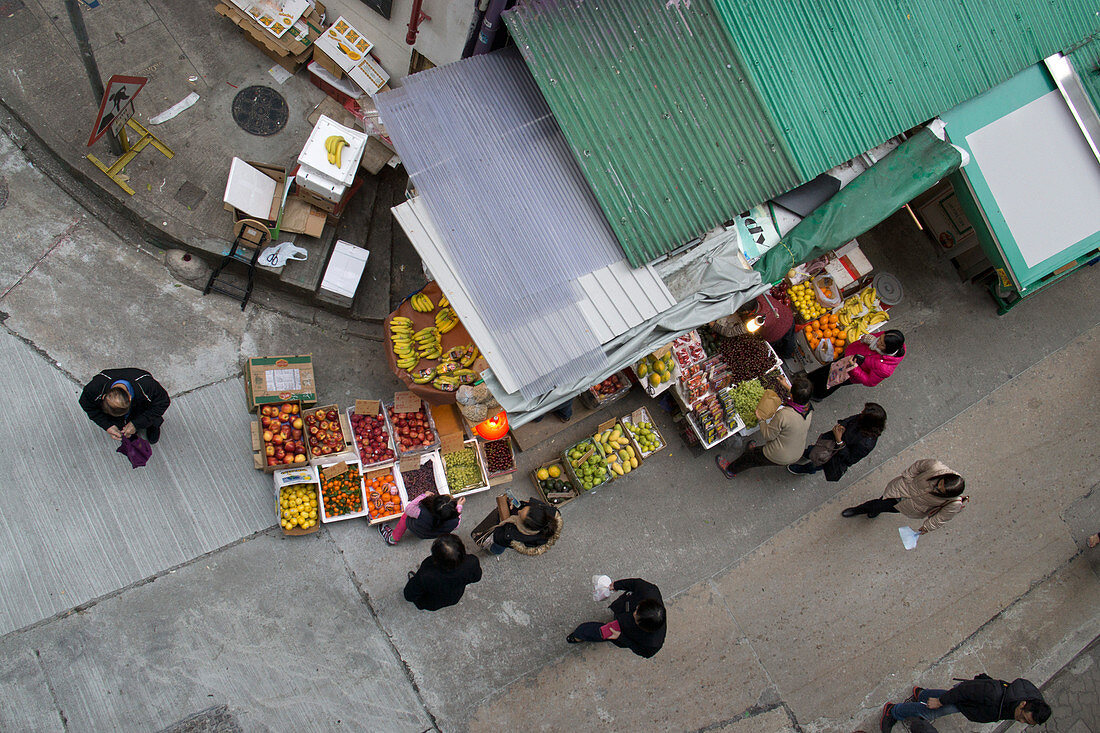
(646, 437)
(554, 484)
(586, 465)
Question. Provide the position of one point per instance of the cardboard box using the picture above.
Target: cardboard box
(296, 40)
(556, 498)
(297, 476)
(374, 409)
(345, 269)
(571, 471)
(258, 190)
(275, 21)
(272, 379)
(413, 463)
(847, 265)
(259, 452)
(348, 50)
(339, 468)
(314, 154)
(373, 473)
(330, 67)
(345, 451)
(433, 446)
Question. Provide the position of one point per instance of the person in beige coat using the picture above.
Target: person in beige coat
(928, 490)
(784, 434)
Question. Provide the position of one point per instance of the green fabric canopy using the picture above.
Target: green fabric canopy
(910, 169)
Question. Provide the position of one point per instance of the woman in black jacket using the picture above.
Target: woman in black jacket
(531, 530)
(639, 623)
(442, 578)
(855, 437)
(123, 401)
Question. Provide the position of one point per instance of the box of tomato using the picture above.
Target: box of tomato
(342, 494)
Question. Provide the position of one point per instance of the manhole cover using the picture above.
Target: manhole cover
(260, 110)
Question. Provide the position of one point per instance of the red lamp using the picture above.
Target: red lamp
(493, 428)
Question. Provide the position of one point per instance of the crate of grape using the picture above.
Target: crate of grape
(500, 460)
(386, 498)
(465, 470)
(746, 398)
(643, 433)
(609, 390)
(341, 491)
(297, 501)
(413, 432)
(328, 435)
(554, 484)
(373, 442)
(586, 465)
(427, 476)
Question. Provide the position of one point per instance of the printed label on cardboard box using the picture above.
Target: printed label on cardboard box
(335, 469)
(366, 407)
(406, 402)
(282, 380)
(409, 463)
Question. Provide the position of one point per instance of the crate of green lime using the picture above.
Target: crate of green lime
(465, 470)
(586, 465)
(554, 483)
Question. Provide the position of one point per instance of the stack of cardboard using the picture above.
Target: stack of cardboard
(344, 51)
(322, 181)
(258, 191)
(289, 44)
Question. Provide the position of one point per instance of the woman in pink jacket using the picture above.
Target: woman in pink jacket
(876, 356)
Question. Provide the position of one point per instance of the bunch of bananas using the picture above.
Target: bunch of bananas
(334, 144)
(401, 333)
(445, 319)
(443, 302)
(859, 313)
(422, 303)
(423, 376)
(427, 343)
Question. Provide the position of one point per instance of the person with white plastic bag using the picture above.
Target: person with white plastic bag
(639, 623)
(928, 490)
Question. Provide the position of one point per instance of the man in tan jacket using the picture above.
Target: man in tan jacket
(928, 490)
(784, 433)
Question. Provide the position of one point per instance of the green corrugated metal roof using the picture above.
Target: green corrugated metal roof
(842, 77)
(682, 113)
(659, 114)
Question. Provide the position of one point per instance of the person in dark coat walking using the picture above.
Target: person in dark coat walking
(855, 438)
(639, 623)
(124, 401)
(980, 700)
(442, 578)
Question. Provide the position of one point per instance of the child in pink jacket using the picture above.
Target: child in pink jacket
(877, 356)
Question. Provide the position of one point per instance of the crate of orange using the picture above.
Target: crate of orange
(385, 494)
(825, 327)
(342, 491)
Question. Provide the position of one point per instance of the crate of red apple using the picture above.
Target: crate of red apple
(499, 458)
(278, 437)
(608, 390)
(413, 432)
(372, 438)
(324, 433)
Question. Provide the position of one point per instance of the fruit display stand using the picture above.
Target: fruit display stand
(555, 490)
(455, 337)
(337, 443)
(500, 459)
(609, 390)
(338, 486)
(370, 432)
(377, 478)
(645, 371)
(859, 314)
(620, 455)
(291, 484)
(415, 483)
(399, 414)
(579, 454)
(473, 484)
(641, 417)
(271, 433)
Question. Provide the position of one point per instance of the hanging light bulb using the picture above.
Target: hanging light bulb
(493, 428)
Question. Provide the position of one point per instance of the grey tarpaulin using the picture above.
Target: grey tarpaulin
(722, 286)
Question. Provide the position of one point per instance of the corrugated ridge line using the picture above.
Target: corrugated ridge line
(484, 139)
(664, 160)
(844, 76)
